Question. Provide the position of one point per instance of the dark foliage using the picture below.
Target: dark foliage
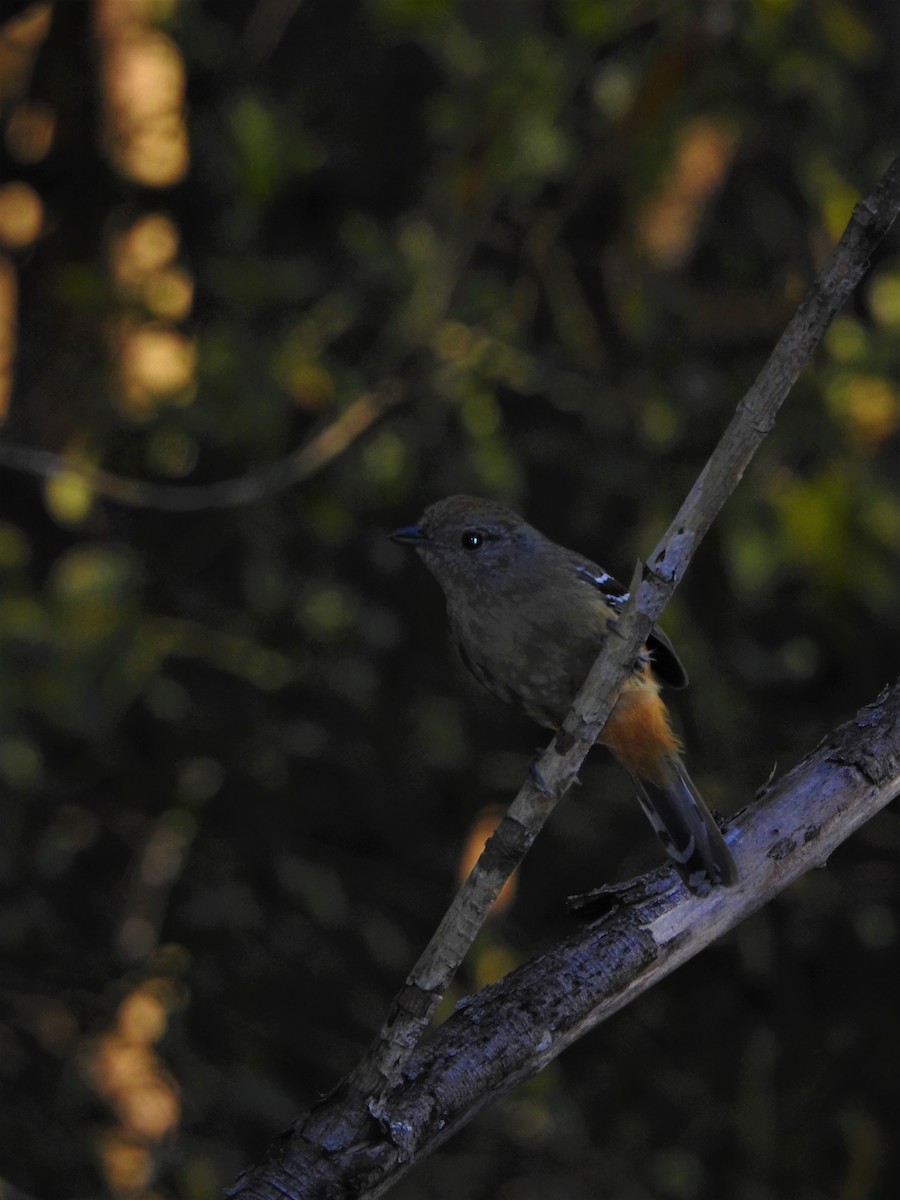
(238, 760)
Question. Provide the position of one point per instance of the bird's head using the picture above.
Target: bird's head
(471, 544)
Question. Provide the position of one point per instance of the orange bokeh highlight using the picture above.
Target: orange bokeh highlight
(21, 215)
(669, 222)
(142, 265)
(481, 830)
(156, 364)
(143, 89)
(30, 131)
(9, 308)
(125, 1069)
(20, 40)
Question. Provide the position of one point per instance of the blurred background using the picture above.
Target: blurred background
(550, 244)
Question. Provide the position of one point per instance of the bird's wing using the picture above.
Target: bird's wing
(615, 593)
(667, 665)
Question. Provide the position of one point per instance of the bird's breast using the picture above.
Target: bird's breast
(534, 655)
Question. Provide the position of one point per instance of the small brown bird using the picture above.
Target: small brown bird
(529, 618)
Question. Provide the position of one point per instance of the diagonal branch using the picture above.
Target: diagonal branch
(373, 1088)
(651, 590)
(511, 1030)
(514, 1028)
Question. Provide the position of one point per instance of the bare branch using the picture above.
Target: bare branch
(651, 590)
(349, 1128)
(511, 1030)
(302, 463)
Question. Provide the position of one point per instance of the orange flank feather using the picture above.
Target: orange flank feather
(639, 733)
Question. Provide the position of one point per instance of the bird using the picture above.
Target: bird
(529, 618)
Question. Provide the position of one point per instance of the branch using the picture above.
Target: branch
(371, 1092)
(512, 1029)
(651, 590)
(309, 458)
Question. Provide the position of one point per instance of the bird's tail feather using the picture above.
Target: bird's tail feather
(687, 829)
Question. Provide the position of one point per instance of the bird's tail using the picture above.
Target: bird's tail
(686, 828)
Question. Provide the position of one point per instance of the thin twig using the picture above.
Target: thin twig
(311, 457)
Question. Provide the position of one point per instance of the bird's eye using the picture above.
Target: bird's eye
(471, 539)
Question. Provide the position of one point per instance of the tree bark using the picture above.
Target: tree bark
(511, 1030)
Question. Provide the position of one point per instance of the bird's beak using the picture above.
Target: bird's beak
(410, 535)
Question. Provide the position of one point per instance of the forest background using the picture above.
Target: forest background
(542, 248)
